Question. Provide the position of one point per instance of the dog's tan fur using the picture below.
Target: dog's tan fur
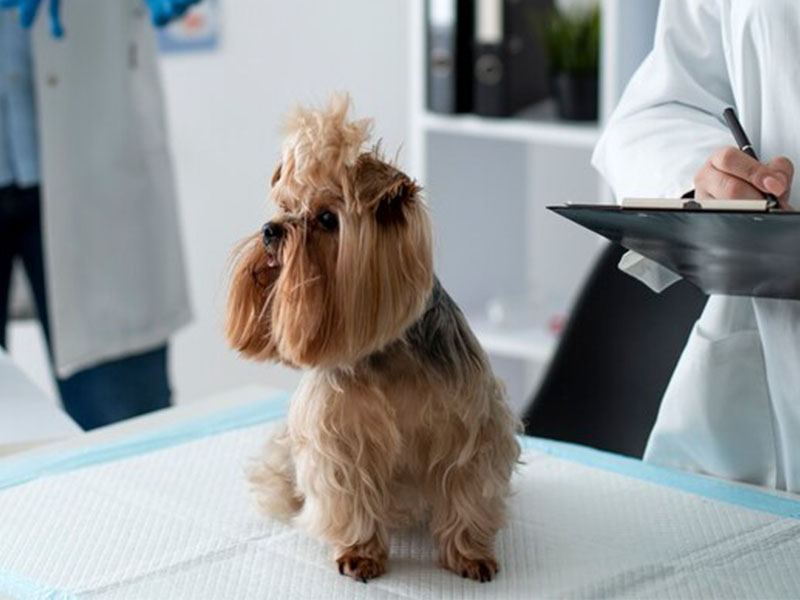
(399, 418)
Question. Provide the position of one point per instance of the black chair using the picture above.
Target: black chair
(617, 353)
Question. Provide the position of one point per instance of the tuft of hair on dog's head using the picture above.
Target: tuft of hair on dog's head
(345, 266)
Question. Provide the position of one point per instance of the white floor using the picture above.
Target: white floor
(27, 348)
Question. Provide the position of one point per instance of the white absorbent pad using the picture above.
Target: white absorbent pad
(169, 516)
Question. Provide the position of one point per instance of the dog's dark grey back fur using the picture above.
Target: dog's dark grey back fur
(440, 339)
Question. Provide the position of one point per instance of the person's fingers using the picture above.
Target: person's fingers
(783, 165)
(27, 12)
(162, 12)
(702, 181)
(710, 182)
(159, 11)
(179, 10)
(181, 7)
(56, 28)
(742, 166)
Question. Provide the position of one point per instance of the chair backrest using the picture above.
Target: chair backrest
(617, 353)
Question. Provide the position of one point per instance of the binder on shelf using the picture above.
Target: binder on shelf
(747, 252)
(510, 62)
(449, 25)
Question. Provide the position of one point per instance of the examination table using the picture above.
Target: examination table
(158, 507)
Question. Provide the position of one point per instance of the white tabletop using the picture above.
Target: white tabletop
(28, 417)
(143, 519)
(144, 423)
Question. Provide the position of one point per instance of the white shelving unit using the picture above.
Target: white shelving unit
(488, 182)
(531, 130)
(530, 343)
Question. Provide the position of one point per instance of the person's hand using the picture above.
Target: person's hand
(28, 10)
(163, 12)
(730, 173)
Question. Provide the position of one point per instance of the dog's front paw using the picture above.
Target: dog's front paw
(360, 567)
(477, 569)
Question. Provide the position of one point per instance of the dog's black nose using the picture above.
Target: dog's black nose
(271, 232)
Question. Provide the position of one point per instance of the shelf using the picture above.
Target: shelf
(536, 125)
(529, 343)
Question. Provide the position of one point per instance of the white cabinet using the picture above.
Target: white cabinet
(513, 266)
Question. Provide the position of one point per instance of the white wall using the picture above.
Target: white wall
(225, 110)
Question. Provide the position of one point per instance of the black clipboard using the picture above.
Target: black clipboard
(721, 252)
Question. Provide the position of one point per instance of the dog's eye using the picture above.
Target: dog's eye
(328, 220)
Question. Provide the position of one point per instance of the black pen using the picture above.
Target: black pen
(744, 144)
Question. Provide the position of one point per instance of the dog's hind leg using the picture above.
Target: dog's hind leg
(464, 523)
(272, 478)
(468, 494)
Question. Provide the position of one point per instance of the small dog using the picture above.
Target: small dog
(399, 418)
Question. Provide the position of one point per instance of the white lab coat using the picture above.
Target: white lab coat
(113, 257)
(732, 408)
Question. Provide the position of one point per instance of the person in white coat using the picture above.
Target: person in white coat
(732, 408)
(87, 185)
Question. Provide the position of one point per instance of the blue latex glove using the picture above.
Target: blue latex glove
(28, 10)
(164, 11)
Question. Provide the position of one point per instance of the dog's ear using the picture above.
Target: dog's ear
(383, 188)
(276, 176)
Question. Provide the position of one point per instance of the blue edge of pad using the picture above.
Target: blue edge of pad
(274, 408)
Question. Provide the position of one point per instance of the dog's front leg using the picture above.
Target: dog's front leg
(345, 468)
(346, 505)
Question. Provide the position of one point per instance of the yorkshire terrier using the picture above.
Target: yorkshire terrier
(399, 418)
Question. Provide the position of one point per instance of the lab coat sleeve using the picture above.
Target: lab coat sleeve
(668, 121)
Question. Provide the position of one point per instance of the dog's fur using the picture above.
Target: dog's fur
(399, 418)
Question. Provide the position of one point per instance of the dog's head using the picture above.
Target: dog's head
(345, 266)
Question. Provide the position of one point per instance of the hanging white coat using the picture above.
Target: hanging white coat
(732, 408)
(113, 257)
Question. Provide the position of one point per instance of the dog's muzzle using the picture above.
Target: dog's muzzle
(271, 234)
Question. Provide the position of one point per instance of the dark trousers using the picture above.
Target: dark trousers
(112, 391)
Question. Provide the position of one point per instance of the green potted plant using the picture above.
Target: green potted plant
(572, 40)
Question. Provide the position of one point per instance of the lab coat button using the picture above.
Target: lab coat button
(52, 80)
